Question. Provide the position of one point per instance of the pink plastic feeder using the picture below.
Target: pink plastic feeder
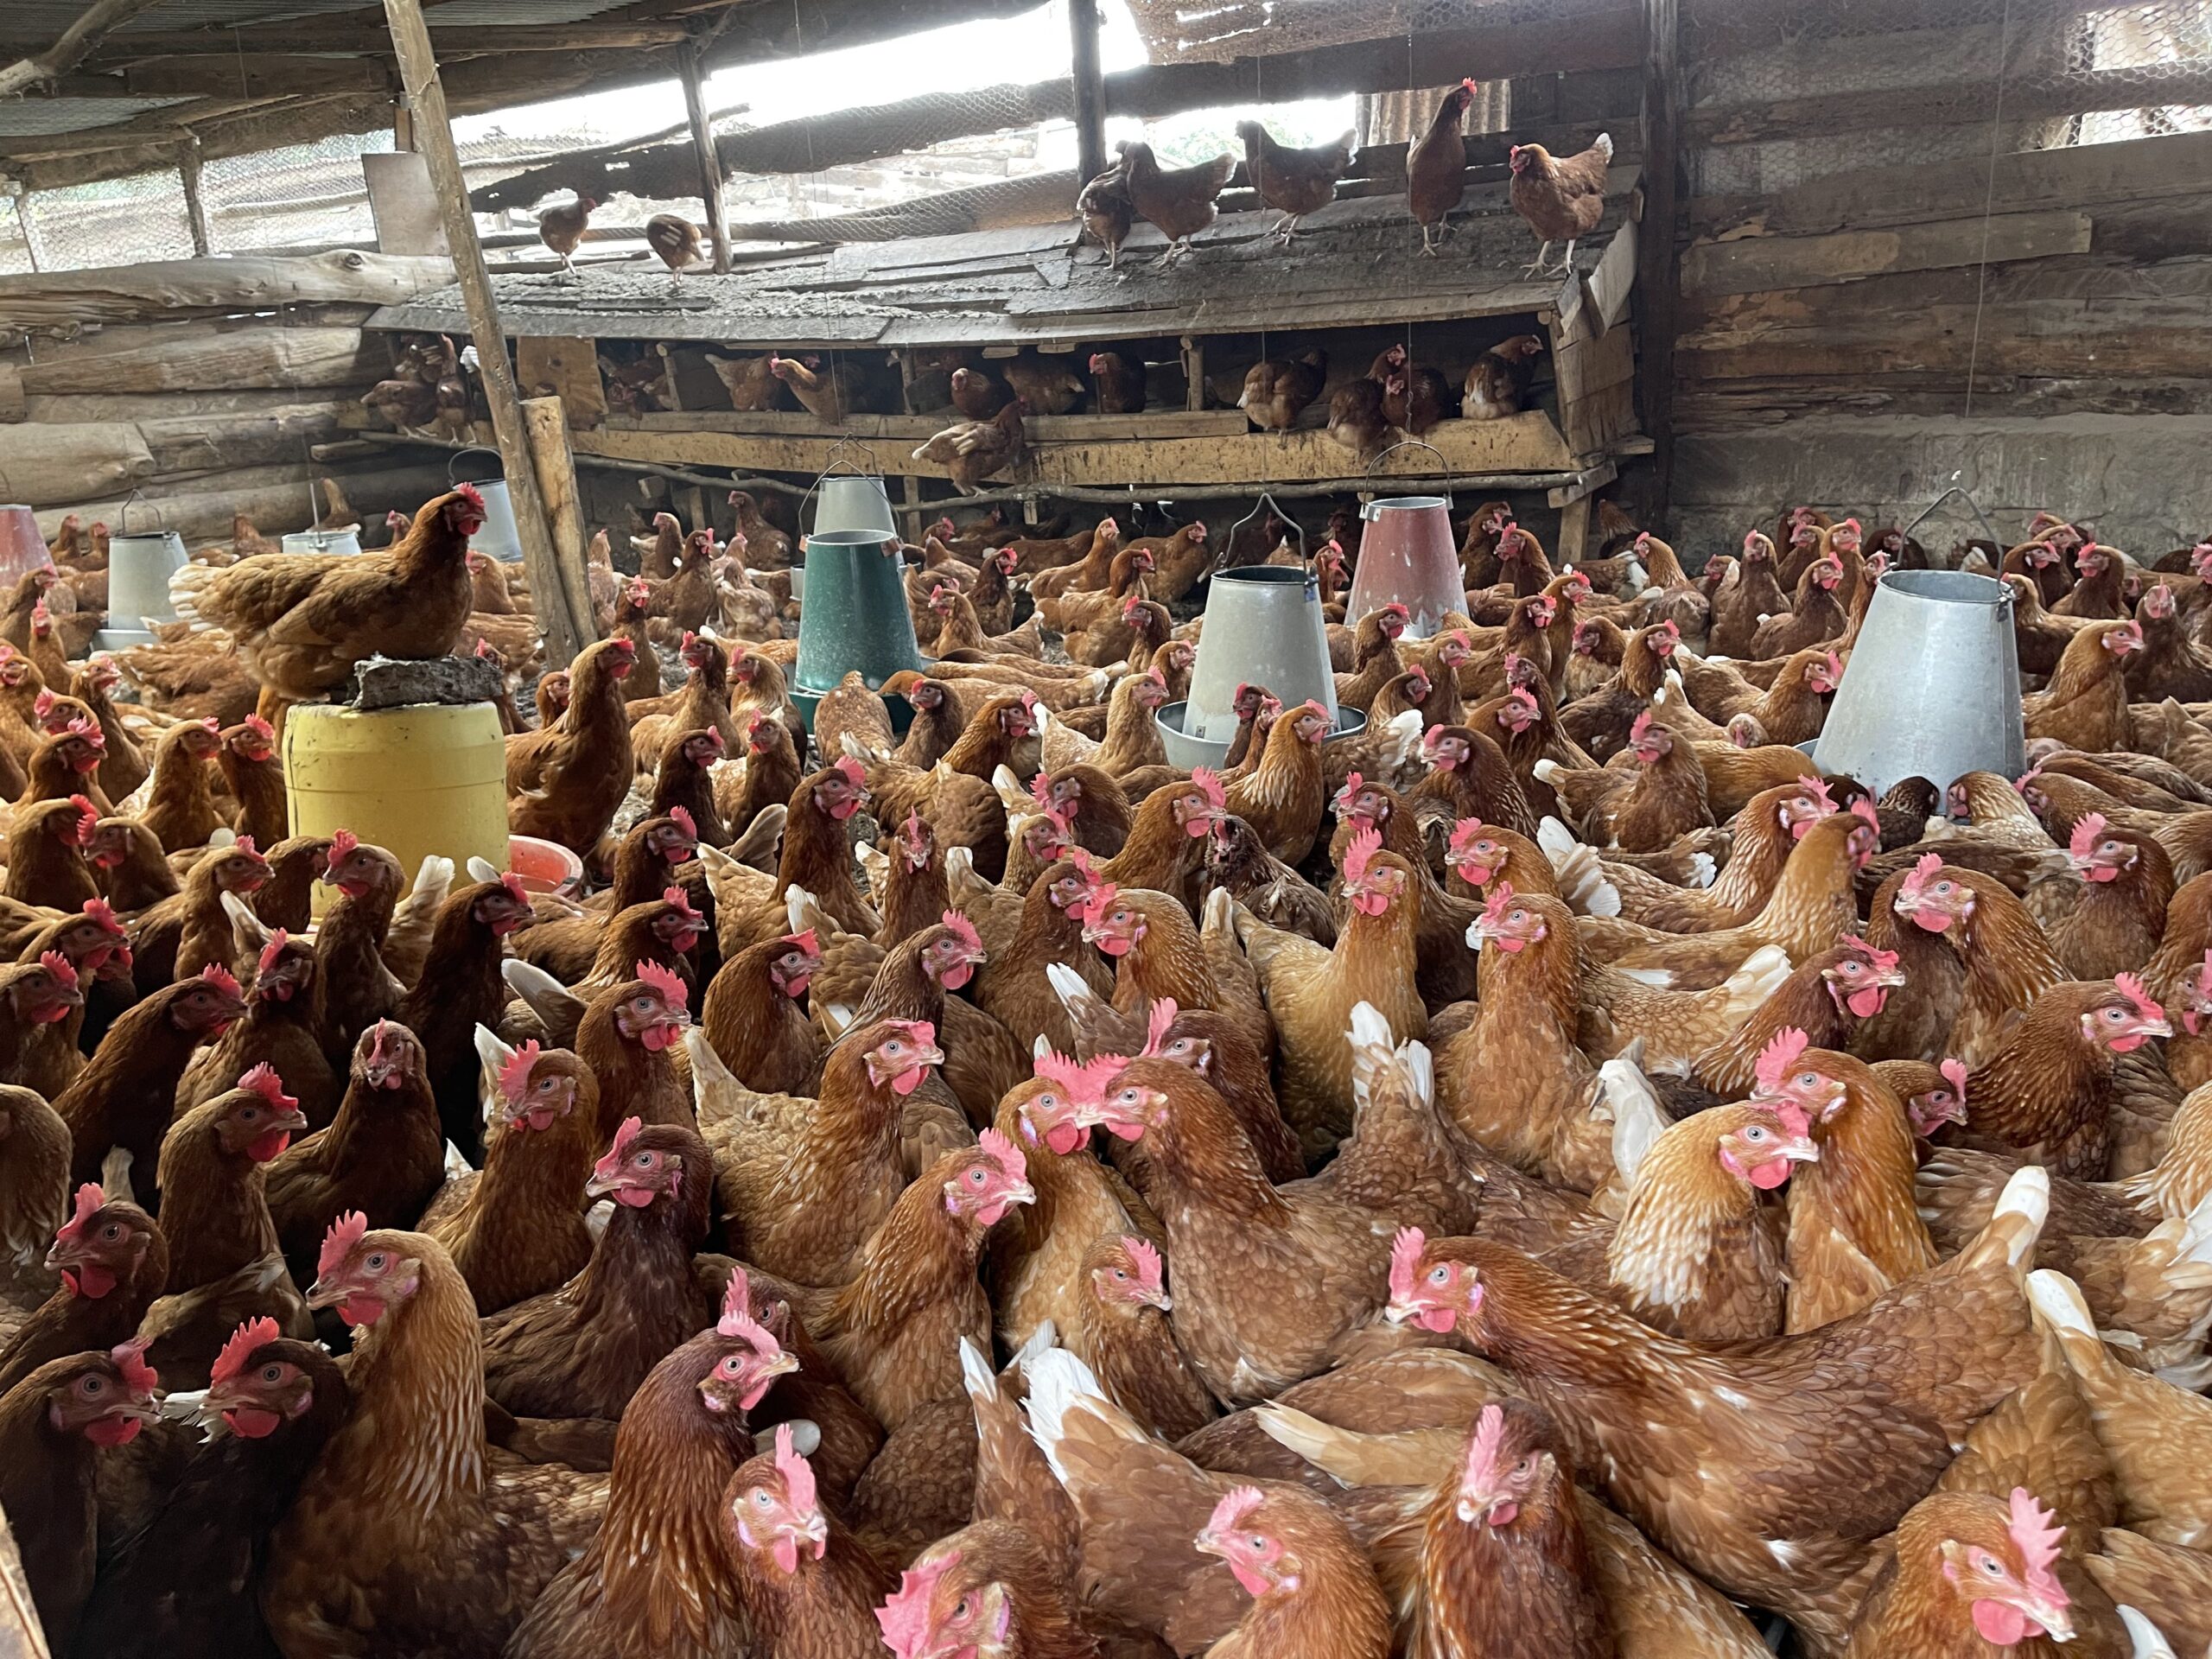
(22, 549)
(544, 865)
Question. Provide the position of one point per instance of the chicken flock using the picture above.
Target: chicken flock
(1549, 1175)
(1561, 199)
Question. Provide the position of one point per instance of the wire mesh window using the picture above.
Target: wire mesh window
(116, 222)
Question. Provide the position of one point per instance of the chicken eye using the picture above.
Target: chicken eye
(894, 1048)
(960, 1609)
(272, 1373)
(1755, 1133)
(1121, 1272)
(1527, 1463)
(644, 1160)
(1808, 1079)
(111, 1232)
(1854, 968)
(2114, 1016)
(976, 1178)
(1941, 887)
(1992, 1566)
(247, 1114)
(545, 1086)
(1518, 916)
(761, 1500)
(92, 1387)
(375, 1261)
(1440, 1275)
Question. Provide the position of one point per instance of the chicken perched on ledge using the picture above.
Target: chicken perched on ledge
(301, 622)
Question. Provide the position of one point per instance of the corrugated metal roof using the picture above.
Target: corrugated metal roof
(40, 118)
(43, 20)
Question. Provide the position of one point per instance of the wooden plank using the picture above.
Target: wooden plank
(1755, 264)
(567, 368)
(1595, 376)
(2041, 337)
(13, 405)
(1573, 531)
(2078, 175)
(142, 406)
(173, 288)
(188, 443)
(1526, 442)
(180, 360)
(1612, 284)
(1588, 483)
(2187, 81)
(566, 630)
(250, 74)
(915, 429)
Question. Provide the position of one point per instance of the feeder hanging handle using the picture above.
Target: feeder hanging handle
(843, 468)
(1290, 525)
(1444, 468)
(458, 455)
(122, 513)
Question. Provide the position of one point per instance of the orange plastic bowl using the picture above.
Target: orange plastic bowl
(544, 865)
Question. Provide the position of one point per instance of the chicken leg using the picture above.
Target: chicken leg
(1543, 256)
(1429, 235)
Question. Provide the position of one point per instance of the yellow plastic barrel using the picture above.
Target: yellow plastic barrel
(423, 779)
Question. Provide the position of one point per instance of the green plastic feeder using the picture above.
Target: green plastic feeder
(854, 616)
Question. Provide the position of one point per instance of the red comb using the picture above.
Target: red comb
(966, 929)
(345, 1233)
(2132, 989)
(850, 769)
(2037, 1535)
(1145, 1258)
(904, 1615)
(666, 981)
(265, 1081)
(798, 1472)
(1349, 793)
(342, 845)
(676, 899)
(1003, 1153)
(64, 970)
(514, 1076)
(1955, 1073)
(1233, 1510)
(1774, 1063)
(1365, 845)
(220, 977)
(681, 817)
(1209, 781)
(1404, 1261)
(240, 1348)
(87, 1202)
(130, 1358)
(1161, 1016)
(2084, 838)
(805, 941)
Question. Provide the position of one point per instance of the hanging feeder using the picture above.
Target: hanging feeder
(1406, 557)
(855, 614)
(1263, 626)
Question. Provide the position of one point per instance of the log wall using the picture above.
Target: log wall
(1886, 280)
(201, 386)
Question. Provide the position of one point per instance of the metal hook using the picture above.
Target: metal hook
(122, 513)
(1265, 500)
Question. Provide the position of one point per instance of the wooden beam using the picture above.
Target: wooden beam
(1088, 88)
(74, 45)
(195, 210)
(256, 74)
(1658, 274)
(703, 154)
(546, 422)
(1759, 264)
(170, 288)
(2188, 81)
(418, 72)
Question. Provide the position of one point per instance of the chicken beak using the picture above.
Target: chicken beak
(323, 1293)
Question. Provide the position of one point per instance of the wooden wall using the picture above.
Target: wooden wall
(1885, 283)
(201, 392)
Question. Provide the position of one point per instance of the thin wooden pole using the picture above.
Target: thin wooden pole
(565, 633)
(702, 147)
(1089, 83)
(1658, 277)
(546, 420)
(195, 209)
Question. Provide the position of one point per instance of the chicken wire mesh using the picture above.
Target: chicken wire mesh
(2053, 72)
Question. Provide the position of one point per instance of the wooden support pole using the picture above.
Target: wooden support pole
(1089, 88)
(1658, 278)
(195, 209)
(426, 98)
(545, 420)
(702, 146)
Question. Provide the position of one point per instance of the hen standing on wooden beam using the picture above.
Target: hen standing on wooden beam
(561, 229)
